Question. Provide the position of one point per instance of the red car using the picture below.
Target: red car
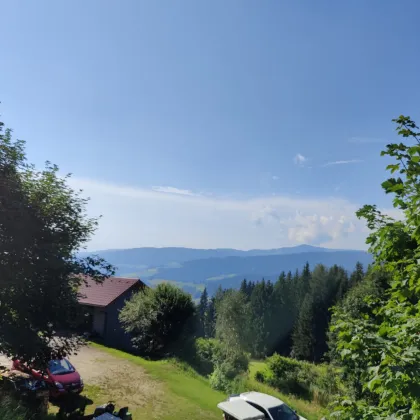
(61, 376)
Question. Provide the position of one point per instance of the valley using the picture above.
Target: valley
(196, 269)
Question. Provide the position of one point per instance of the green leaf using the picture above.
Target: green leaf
(393, 168)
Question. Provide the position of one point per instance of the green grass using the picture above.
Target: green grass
(189, 396)
(308, 409)
(255, 366)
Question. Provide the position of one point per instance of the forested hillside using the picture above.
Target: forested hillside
(196, 269)
(287, 316)
(230, 271)
(153, 257)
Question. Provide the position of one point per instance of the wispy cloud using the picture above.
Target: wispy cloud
(299, 159)
(365, 140)
(274, 177)
(343, 162)
(134, 217)
(172, 190)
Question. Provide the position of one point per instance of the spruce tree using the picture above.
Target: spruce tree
(357, 275)
(284, 313)
(210, 320)
(202, 313)
(303, 334)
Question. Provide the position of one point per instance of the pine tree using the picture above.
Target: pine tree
(202, 310)
(325, 289)
(284, 312)
(303, 334)
(259, 310)
(244, 287)
(251, 286)
(357, 275)
(309, 336)
(210, 320)
(302, 285)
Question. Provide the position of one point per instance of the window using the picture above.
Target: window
(283, 412)
(60, 367)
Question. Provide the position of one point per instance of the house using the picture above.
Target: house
(102, 303)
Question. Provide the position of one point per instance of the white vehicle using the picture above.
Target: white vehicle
(239, 410)
(271, 407)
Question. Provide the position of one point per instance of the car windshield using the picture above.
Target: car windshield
(282, 412)
(60, 367)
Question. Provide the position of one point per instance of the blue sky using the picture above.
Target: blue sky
(213, 124)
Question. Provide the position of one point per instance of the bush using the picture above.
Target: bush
(313, 382)
(205, 349)
(10, 409)
(229, 364)
(159, 320)
(328, 386)
(219, 380)
(259, 376)
(281, 366)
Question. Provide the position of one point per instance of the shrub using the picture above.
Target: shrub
(219, 380)
(282, 366)
(158, 320)
(205, 349)
(259, 376)
(229, 364)
(10, 409)
(313, 382)
(328, 386)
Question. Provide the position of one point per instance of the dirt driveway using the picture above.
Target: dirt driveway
(126, 382)
(112, 378)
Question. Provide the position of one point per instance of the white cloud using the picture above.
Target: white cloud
(274, 177)
(343, 162)
(300, 159)
(135, 217)
(316, 229)
(172, 190)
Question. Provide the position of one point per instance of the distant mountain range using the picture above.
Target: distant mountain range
(194, 269)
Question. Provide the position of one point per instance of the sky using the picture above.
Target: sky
(233, 123)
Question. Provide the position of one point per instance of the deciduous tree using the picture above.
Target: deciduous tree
(43, 225)
(384, 345)
(157, 319)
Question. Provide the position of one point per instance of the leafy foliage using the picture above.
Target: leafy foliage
(319, 383)
(357, 304)
(231, 320)
(11, 409)
(229, 364)
(157, 319)
(383, 346)
(43, 224)
(205, 349)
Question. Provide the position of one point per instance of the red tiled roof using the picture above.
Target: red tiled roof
(102, 294)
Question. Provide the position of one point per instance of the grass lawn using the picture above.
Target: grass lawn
(174, 391)
(308, 409)
(186, 395)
